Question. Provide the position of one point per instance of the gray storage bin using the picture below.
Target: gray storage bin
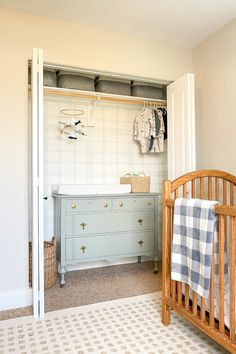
(76, 81)
(143, 89)
(113, 85)
(49, 77)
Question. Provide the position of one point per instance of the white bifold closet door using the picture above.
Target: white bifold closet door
(37, 184)
(181, 126)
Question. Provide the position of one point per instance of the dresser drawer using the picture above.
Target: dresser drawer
(133, 203)
(77, 249)
(86, 224)
(87, 205)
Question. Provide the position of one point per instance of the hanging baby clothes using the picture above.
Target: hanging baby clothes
(150, 129)
(157, 141)
(165, 122)
(145, 128)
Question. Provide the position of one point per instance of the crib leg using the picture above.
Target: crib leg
(165, 314)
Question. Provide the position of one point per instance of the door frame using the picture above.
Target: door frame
(37, 184)
(37, 164)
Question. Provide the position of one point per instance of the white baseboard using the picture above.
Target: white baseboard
(15, 298)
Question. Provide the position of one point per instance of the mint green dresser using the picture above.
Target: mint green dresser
(104, 227)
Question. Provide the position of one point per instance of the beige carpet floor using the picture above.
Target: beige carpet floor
(103, 284)
(91, 286)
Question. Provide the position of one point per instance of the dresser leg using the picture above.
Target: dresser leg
(139, 259)
(62, 272)
(155, 266)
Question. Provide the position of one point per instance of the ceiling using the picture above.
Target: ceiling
(180, 22)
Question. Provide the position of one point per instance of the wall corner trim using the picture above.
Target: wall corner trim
(16, 298)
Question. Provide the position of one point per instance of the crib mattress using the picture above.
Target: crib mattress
(217, 303)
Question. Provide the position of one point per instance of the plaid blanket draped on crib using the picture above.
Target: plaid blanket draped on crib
(195, 229)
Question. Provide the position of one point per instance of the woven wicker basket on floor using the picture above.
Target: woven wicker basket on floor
(50, 263)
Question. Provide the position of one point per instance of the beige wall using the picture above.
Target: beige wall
(67, 44)
(215, 72)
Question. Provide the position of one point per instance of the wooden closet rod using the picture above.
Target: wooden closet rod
(102, 97)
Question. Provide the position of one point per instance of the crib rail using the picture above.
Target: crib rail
(177, 295)
(219, 209)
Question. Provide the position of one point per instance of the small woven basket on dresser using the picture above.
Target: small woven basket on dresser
(50, 263)
(139, 184)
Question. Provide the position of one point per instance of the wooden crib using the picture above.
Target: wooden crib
(211, 185)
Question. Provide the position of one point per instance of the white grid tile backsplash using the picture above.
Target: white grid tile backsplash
(103, 156)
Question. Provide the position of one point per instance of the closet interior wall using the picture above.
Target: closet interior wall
(107, 152)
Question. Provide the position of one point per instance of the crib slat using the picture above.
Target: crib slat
(193, 188)
(210, 188)
(212, 289)
(225, 203)
(224, 192)
(179, 290)
(202, 188)
(172, 223)
(232, 278)
(194, 303)
(176, 193)
(232, 267)
(186, 300)
(173, 289)
(231, 194)
(217, 188)
(184, 190)
(173, 282)
(203, 309)
(221, 272)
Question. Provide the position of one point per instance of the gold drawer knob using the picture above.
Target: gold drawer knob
(73, 206)
(105, 205)
(83, 225)
(83, 248)
(149, 203)
(140, 221)
(121, 205)
(141, 243)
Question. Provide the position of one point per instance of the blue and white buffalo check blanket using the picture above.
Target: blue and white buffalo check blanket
(195, 229)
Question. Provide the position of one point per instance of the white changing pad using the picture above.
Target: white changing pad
(83, 189)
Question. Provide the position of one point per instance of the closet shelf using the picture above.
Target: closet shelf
(106, 97)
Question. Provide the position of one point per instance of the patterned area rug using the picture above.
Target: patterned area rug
(124, 326)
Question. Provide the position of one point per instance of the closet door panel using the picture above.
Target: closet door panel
(37, 184)
(181, 126)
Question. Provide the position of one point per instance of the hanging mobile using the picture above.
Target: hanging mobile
(72, 112)
(73, 128)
